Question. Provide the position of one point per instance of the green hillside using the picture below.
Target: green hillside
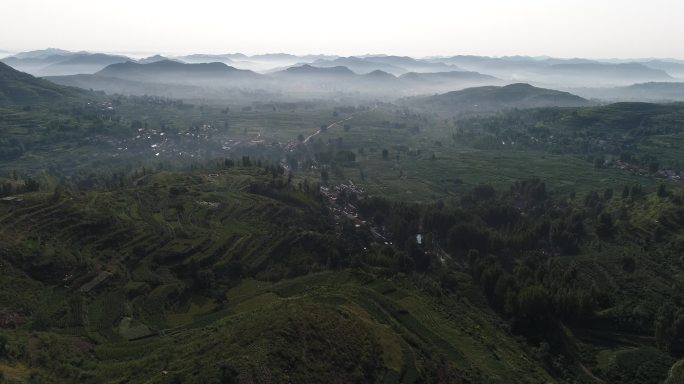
(139, 278)
(18, 88)
(492, 98)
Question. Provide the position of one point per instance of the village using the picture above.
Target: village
(339, 203)
(636, 169)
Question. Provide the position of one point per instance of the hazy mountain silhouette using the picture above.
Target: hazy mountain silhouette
(153, 59)
(560, 72)
(360, 65)
(54, 62)
(309, 70)
(491, 98)
(42, 53)
(175, 72)
(627, 71)
(675, 69)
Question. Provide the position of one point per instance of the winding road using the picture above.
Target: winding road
(339, 122)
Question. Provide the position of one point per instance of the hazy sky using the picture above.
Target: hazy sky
(564, 28)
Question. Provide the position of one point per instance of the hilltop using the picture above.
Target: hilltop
(168, 70)
(306, 69)
(492, 98)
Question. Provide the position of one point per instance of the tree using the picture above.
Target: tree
(669, 329)
(30, 185)
(228, 374)
(625, 192)
(420, 258)
(235, 269)
(483, 192)
(464, 237)
(604, 227)
(324, 175)
(628, 264)
(385, 154)
(653, 167)
(662, 190)
(533, 303)
(3, 346)
(608, 194)
(347, 127)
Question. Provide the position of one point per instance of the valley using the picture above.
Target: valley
(233, 218)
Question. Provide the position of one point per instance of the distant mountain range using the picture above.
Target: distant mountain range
(42, 53)
(383, 76)
(175, 72)
(650, 92)
(310, 70)
(202, 58)
(492, 98)
(152, 59)
(602, 73)
(396, 65)
(446, 77)
(675, 69)
(578, 72)
(538, 70)
(53, 62)
(359, 65)
(301, 79)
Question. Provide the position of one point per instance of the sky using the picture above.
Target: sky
(559, 28)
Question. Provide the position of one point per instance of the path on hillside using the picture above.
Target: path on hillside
(339, 122)
(587, 371)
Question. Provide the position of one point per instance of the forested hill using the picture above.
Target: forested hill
(241, 272)
(492, 98)
(257, 271)
(18, 88)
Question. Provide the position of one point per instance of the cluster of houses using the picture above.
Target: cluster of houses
(341, 207)
(641, 171)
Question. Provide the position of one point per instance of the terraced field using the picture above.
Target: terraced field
(274, 332)
(124, 277)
